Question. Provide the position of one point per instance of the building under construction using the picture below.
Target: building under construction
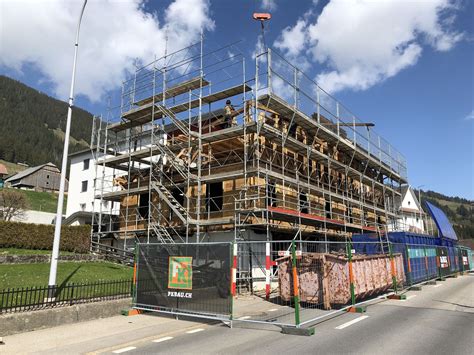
(211, 148)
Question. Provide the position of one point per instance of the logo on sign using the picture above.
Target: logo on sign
(180, 272)
(443, 261)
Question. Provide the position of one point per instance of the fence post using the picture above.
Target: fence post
(134, 283)
(352, 308)
(408, 265)
(351, 272)
(233, 278)
(396, 296)
(392, 266)
(426, 263)
(296, 296)
(267, 270)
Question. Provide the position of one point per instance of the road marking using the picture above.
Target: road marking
(194, 331)
(410, 297)
(244, 317)
(438, 285)
(273, 310)
(162, 339)
(128, 348)
(345, 325)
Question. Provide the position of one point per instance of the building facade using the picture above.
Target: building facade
(285, 161)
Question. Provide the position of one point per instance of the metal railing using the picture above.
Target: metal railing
(24, 299)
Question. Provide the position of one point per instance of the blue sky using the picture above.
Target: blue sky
(407, 66)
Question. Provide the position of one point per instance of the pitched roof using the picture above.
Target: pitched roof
(3, 170)
(27, 172)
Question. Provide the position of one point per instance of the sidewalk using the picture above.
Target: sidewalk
(85, 336)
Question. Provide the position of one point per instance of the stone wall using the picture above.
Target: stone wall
(32, 259)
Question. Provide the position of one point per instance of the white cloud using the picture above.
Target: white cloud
(470, 117)
(269, 5)
(365, 42)
(114, 34)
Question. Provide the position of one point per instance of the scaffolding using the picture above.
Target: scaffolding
(283, 159)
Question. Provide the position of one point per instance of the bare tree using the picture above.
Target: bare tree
(12, 205)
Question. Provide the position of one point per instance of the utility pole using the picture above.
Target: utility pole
(59, 212)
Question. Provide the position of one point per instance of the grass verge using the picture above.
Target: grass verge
(27, 275)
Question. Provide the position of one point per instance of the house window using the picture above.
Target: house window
(83, 206)
(303, 202)
(84, 186)
(327, 208)
(214, 192)
(144, 205)
(47, 176)
(86, 164)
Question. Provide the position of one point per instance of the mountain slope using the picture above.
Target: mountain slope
(33, 124)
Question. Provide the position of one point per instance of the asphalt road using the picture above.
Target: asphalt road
(437, 320)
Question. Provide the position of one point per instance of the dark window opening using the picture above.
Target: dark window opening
(327, 208)
(292, 130)
(349, 214)
(144, 205)
(303, 202)
(86, 164)
(84, 186)
(271, 194)
(214, 192)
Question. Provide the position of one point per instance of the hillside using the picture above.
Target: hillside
(460, 211)
(33, 125)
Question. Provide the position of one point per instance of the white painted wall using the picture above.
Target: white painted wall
(36, 217)
(97, 182)
(79, 200)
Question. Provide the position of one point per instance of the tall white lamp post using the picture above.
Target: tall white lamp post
(59, 213)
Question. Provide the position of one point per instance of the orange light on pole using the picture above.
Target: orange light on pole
(261, 16)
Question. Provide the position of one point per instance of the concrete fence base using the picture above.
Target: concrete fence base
(12, 323)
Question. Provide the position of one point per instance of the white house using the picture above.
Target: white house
(83, 187)
(411, 213)
(89, 179)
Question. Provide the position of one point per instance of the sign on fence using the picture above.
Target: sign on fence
(184, 278)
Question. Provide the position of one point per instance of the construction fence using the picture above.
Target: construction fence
(284, 283)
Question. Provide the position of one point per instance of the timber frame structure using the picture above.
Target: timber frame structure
(293, 163)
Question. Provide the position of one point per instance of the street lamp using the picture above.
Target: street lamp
(59, 212)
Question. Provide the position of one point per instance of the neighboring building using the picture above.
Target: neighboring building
(411, 213)
(44, 177)
(3, 174)
(83, 187)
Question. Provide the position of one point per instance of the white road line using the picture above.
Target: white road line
(410, 297)
(345, 325)
(162, 339)
(244, 317)
(438, 285)
(119, 351)
(194, 331)
(273, 310)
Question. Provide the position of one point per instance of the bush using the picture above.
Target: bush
(40, 236)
